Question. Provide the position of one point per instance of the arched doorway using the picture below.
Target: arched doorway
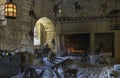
(44, 32)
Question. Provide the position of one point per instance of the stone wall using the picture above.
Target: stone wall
(91, 27)
(93, 18)
(15, 34)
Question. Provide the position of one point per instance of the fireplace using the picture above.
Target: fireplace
(76, 44)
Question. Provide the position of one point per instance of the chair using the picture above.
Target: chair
(71, 73)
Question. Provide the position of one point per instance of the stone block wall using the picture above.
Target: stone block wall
(15, 34)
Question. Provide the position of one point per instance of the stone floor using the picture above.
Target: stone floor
(85, 70)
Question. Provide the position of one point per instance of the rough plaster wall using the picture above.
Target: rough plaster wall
(15, 35)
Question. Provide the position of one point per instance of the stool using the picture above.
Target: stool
(71, 73)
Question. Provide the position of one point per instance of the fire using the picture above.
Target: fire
(71, 49)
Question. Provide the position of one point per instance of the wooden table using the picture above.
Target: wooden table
(51, 67)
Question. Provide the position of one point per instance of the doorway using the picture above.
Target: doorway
(44, 32)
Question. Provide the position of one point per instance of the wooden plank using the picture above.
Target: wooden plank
(57, 74)
(41, 73)
(51, 67)
(50, 73)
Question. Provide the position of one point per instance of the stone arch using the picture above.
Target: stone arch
(44, 32)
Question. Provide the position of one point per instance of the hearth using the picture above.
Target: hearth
(77, 43)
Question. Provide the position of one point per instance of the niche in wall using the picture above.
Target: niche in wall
(107, 42)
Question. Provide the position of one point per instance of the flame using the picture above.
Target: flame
(71, 49)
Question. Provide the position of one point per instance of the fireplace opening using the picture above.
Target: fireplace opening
(76, 44)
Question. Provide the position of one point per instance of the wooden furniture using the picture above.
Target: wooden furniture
(32, 73)
(9, 66)
(51, 67)
(71, 73)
